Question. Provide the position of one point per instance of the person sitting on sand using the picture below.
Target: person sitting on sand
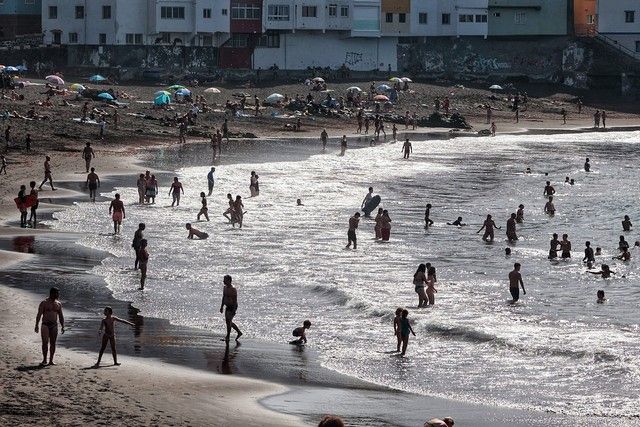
(109, 336)
(405, 328)
(300, 333)
(626, 223)
(549, 207)
(230, 306)
(117, 207)
(203, 210)
(488, 226)
(458, 222)
(50, 311)
(601, 298)
(195, 232)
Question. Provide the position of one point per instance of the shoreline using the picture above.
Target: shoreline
(276, 401)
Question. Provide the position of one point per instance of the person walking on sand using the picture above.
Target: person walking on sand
(488, 226)
(407, 148)
(230, 307)
(87, 155)
(489, 113)
(117, 207)
(143, 260)
(511, 228)
(50, 311)
(174, 191)
(351, 233)
(92, 183)
(47, 174)
(515, 280)
(419, 282)
(323, 138)
(427, 221)
(405, 328)
(563, 112)
(22, 197)
(385, 226)
(493, 129)
(108, 332)
(203, 210)
(135, 244)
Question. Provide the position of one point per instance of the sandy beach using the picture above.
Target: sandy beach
(172, 387)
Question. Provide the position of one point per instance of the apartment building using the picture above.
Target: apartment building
(619, 23)
(513, 18)
(19, 17)
(584, 17)
(449, 18)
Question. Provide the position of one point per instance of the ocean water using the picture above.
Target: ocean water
(556, 350)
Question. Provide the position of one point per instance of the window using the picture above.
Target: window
(269, 40)
(167, 12)
(402, 18)
(629, 16)
(389, 17)
(133, 38)
(496, 14)
(481, 18)
(465, 18)
(138, 39)
(245, 11)
(637, 45)
(106, 12)
(446, 19)
(278, 12)
(102, 38)
(57, 37)
(73, 37)
(591, 19)
(128, 38)
(225, 12)
(309, 11)
(79, 12)
(206, 13)
(422, 18)
(344, 11)
(53, 12)
(521, 18)
(238, 40)
(333, 10)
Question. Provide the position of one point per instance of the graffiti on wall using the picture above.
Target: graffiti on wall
(352, 58)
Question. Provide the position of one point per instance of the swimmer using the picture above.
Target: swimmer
(488, 227)
(108, 325)
(549, 208)
(528, 170)
(458, 222)
(511, 228)
(572, 182)
(567, 180)
(427, 220)
(300, 333)
(601, 298)
(553, 250)
(419, 282)
(299, 202)
(587, 165)
(624, 256)
(565, 245)
(598, 251)
(626, 223)
(622, 244)
(203, 210)
(195, 232)
(549, 190)
(605, 271)
(520, 214)
(588, 253)
(507, 252)
(396, 327)
(515, 279)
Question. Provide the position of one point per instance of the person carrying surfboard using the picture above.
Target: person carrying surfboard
(367, 198)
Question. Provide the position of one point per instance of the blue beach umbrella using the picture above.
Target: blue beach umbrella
(11, 69)
(106, 96)
(383, 88)
(183, 92)
(162, 99)
(97, 78)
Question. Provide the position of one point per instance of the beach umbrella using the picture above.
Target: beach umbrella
(318, 79)
(383, 88)
(97, 78)
(162, 99)
(56, 80)
(162, 92)
(10, 69)
(77, 87)
(274, 98)
(212, 90)
(406, 79)
(395, 79)
(354, 89)
(176, 87)
(381, 98)
(495, 87)
(106, 96)
(183, 92)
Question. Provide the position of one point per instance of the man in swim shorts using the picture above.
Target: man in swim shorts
(176, 188)
(488, 228)
(87, 155)
(351, 234)
(117, 207)
(511, 228)
(230, 307)
(211, 180)
(93, 182)
(407, 148)
(50, 311)
(515, 279)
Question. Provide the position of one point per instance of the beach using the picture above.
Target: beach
(178, 357)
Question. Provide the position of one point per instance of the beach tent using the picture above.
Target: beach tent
(383, 88)
(97, 78)
(274, 98)
(162, 92)
(11, 69)
(381, 98)
(105, 96)
(406, 79)
(212, 90)
(176, 87)
(495, 87)
(77, 87)
(183, 92)
(162, 99)
(354, 89)
(56, 80)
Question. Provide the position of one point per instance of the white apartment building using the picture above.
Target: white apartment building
(139, 22)
(619, 22)
(453, 18)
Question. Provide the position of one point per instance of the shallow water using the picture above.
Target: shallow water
(557, 350)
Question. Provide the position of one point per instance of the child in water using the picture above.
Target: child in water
(601, 298)
(405, 328)
(396, 326)
(301, 333)
(108, 326)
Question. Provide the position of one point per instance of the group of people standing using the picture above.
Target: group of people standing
(147, 185)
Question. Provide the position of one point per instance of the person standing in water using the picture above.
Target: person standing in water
(143, 260)
(117, 207)
(407, 148)
(588, 253)
(520, 214)
(323, 138)
(33, 193)
(343, 142)
(252, 184)
(378, 227)
(174, 191)
(427, 212)
(419, 283)
(565, 246)
(87, 155)
(203, 210)
(549, 190)
(237, 214)
(93, 183)
(385, 226)
(431, 285)
(135, 244)
(511, 228)
(515, 281)
(47, 174)
(230, 306)
(396, 327)
(626, 224)
(108, 325)
(22, 196)
(553, 246)
(50, 311)
(488, 227)
(549, 207)
(587, 165)
(405, 328)
(351, 233)
(211, 180)
(141, 184)
(367, 199)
